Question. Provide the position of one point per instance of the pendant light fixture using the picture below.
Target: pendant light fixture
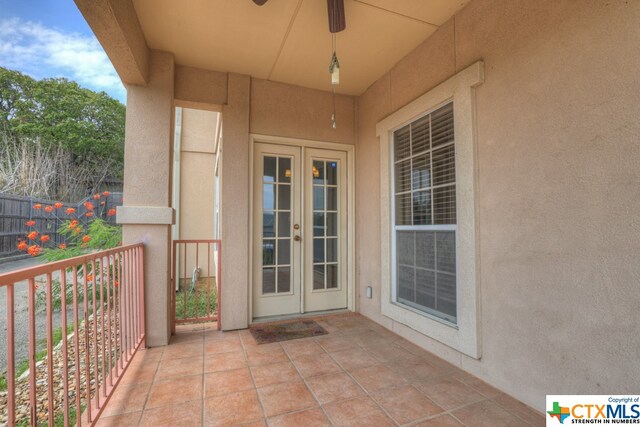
(337, 23)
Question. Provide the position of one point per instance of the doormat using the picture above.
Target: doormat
(265, 334)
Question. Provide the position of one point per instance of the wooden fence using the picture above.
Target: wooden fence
(15, 211)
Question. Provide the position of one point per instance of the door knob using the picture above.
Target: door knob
(297, 238)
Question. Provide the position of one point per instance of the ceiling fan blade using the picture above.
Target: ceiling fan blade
(337, 20)
(259, 2)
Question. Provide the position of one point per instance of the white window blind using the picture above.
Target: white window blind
(425, 214)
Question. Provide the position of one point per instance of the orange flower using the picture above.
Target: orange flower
(30, 223)
(77, 231)
(34, 250)
(22, 245)
(116, 283)
(70, 211)
(37, 206)
(105, 193)
(96, 196)
(73, 224)
(58, 205)
(48, 209)
(89, 214)
(111, 212)
(62, 246)
(90, 277)
(32, 235)
(44, 238)
(86, 239)
(88, 205)
(35, 287)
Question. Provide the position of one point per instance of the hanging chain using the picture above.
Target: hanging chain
(334, 63)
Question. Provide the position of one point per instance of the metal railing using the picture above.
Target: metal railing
(195, 279)
(100, 297)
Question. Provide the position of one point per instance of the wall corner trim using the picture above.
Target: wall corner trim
(149, 215)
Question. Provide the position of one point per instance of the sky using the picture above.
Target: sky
(50, 38)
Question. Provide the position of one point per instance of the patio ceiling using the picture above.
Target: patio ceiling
(288, 40)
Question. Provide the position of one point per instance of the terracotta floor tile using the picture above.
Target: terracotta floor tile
(149, 354)
(140, 373)
(520, 410)
(487, 413)
(275, 373)
(225, 382)
(182, 350)
(328, 388)
(175, 391)
(281, 398)
(416, 371)
(319, 364)
(175, 368)
(123, 420)
(355, 358)
(186, 337)
(361, 411)
(232, 409)
(219, 335)
(377, 377)
(308, 418)
(224, 361)
(449, 393)
(221, 346)
(443, 420)
(332, 343)
(260, 357)
(406, 404)
(299, 348)
(184, 414)
(389, 353)
(127, 398)
(477, 384)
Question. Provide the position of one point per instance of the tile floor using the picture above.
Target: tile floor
(359, 374)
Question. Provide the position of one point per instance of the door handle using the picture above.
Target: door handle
(297, 238)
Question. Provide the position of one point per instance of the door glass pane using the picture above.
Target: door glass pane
(269, 169)
(284, 224)
(268, 280)
(332, 173)
(332, 276)
(318, 224)
(269, 196)
(284, 197)
(284, 169)
(318, 198)
(332, 199)
(318, 277)
(284, 279)
(284, 251)
(268, 224)
(332, 224)
(332, 250)
(318, 250)
(268, 252)
(317, 171)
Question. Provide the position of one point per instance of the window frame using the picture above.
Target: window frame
(463, 336)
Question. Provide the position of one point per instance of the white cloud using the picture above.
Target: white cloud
(46, 52)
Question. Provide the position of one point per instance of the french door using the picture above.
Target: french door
(300, 230)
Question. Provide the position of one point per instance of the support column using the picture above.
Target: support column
(234, 204)
(147, 214)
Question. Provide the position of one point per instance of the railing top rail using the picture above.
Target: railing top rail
(27, 273)
(198, 241)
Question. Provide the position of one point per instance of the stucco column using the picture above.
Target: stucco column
(234, 204)
(146, 215)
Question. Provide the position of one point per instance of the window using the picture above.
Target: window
(428, 268)
(425, 214)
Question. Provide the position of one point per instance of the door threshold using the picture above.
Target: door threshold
(269, 319)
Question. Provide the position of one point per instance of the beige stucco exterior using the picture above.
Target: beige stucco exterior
(557, 170)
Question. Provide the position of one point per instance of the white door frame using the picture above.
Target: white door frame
(306, 143)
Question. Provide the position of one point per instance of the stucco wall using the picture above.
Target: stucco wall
(558, 197)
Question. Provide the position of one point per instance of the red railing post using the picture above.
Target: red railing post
(11, 362)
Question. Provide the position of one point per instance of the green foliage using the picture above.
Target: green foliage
(188, 307)
(102, 236)
(88, 124)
